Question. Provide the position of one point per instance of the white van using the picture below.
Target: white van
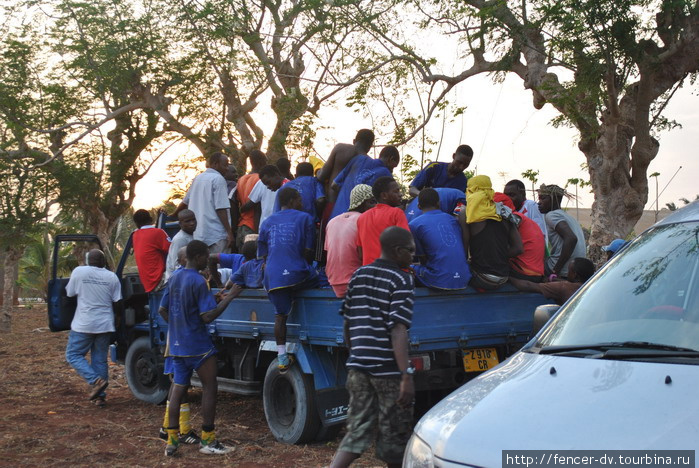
(617, 367)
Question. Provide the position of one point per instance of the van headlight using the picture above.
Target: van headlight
(417, 454)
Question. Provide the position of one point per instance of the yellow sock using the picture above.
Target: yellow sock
(185, 426)
(166, 419)
(172, 437)
(207, 437)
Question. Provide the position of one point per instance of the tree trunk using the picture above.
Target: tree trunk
(288, 108)
(618, 203)
(12, 256)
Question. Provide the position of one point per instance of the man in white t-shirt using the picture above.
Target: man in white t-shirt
(97, 289)
(265, 192)
(207, 197)
(188, 224)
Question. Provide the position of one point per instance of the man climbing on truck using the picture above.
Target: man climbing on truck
(188, 306)
(286, 242)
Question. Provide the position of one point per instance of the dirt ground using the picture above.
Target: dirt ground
(47, 420)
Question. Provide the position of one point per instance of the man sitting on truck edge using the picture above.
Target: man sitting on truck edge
(150, 248)
(188, 224)
(188, 306)
(439, 245)
(386, 213)
(341, 240)
(286, 243)
(97, 289)
(378, 310)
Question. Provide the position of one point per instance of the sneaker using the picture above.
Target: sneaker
(189, 438)
(98, 387)
(162, 433)
(170, 450)
(284, 361)
(215, 448)
(100, 402)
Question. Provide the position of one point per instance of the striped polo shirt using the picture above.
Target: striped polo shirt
(379, 296)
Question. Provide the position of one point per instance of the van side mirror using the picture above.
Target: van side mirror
(542, 314)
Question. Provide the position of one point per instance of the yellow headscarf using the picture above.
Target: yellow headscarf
(479, 200)
(317, 163)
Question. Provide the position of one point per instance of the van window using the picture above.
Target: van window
(649, 293)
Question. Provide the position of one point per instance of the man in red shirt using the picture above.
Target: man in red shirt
(529, 265)
(150, 248)
(386, 213)
(245, 220)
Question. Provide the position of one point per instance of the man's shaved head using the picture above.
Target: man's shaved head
(95, 257)
(182, 256)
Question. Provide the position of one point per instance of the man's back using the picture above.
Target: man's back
(150, 246)
(339, 157)
(242, 194)
(372, 223)
(361, 170)
(531, 261)
(97, 289)
(207, 194)
(438, 237)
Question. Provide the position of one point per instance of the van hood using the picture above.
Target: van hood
(544, 402)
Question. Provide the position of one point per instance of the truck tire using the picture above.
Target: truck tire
(290, 406)
(144, 372)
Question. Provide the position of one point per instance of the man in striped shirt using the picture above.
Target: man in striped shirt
(378, 311)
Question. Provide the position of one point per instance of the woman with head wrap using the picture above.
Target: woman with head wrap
(489, 240)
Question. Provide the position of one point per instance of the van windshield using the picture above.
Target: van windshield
(648, 294)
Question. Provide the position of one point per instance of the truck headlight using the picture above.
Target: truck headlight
(417, 454)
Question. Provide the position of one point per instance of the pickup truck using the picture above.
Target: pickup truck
(454, 337)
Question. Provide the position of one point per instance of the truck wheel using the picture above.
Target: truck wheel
(144, 372)
(290, 405)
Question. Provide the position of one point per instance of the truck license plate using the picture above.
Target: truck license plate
(480, 359)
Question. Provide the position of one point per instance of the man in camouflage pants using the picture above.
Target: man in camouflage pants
(378, 311)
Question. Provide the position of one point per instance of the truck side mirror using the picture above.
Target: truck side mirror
(542, 314)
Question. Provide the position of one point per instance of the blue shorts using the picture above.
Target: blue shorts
(283, 298)
(168, 368)
(184, 367)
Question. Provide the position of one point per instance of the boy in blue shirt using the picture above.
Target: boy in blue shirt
(286, 243)
(250, 274)
(188, 306)
(311, 191)
(441, 174)
(439, 244)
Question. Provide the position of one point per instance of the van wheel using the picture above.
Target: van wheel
(144, 372)
(290, 405)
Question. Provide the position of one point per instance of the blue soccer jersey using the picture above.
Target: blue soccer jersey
(435, 175)
(250, 274)
(187, 297)
(284, 237)
(438, 237)
(310, 190)
(360, 170)
(449, 199)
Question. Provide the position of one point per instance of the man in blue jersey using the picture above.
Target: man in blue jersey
(188, 306)
(378, 311)
(311, 191)
(439, 245)
(450, 201)
(363, 170)
(441, 174)
(286, 243)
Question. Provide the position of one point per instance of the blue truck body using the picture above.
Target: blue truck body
(446, 327)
